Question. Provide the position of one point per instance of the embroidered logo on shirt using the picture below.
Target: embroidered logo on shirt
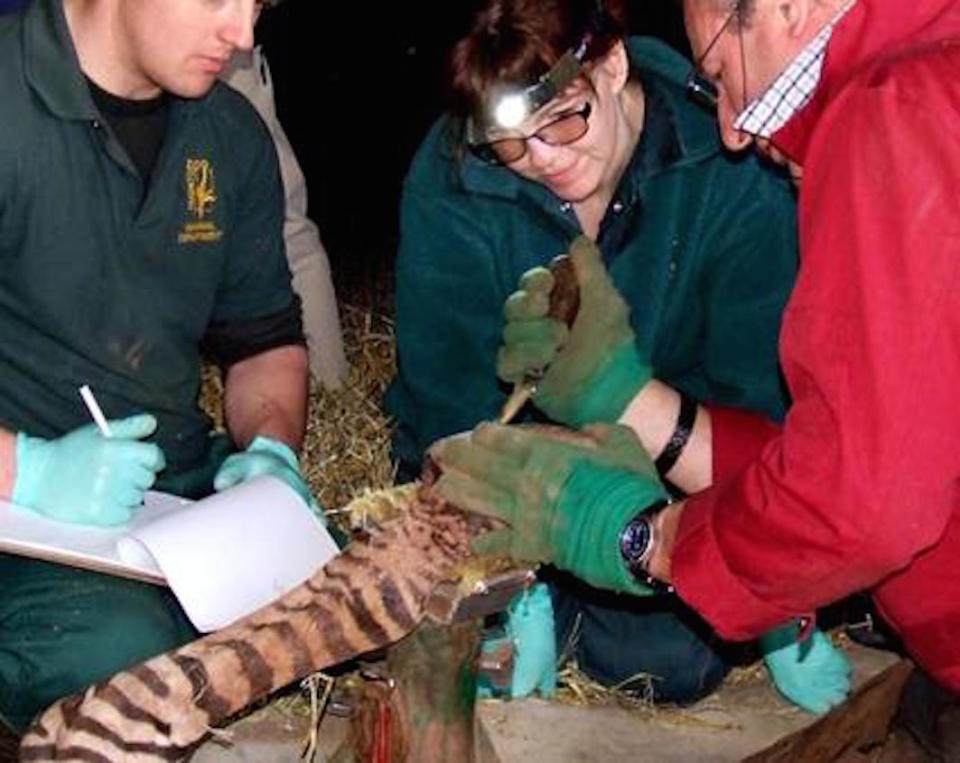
(201, 192)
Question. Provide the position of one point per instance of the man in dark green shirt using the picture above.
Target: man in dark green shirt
(141, 222)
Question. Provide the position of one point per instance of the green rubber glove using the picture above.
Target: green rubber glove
(814, 674)
(593, 370)
(86, 478)
(564, 502)
(265, 456)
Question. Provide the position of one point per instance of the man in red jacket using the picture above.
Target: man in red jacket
(859, 489)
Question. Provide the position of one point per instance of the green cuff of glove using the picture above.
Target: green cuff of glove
(616, 383)
(606, 499)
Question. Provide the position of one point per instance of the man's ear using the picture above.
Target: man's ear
(796, 16)
(616, 66)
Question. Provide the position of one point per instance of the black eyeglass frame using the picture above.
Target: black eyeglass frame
(487, 152)
(700, 87)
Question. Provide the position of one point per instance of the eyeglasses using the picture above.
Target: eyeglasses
(700, 87)
(565, 129)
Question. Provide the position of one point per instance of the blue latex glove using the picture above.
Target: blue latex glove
(265, 455)
(531, 628)
(86, 478)
(814, 674)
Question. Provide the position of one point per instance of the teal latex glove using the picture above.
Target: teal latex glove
(814, 675)
(86, 478)
(531, 627)
(593, 370)
(563, 501)
(265, 456)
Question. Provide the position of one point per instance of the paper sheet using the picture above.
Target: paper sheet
(28, 533)
(234, 552)
(224, 557)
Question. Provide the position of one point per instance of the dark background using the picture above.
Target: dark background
(357, 86)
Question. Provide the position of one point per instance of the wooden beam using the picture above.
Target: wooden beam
(862, 720)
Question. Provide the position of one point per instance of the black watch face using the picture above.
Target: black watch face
(635, 540)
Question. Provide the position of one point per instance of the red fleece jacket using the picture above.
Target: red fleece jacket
(859, 488)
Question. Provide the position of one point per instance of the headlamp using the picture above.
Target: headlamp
(508, 108)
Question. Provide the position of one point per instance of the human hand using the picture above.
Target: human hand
(593, 370)
(86, 478)
(565, 498)
(264, 456)
(530, 626)
(814, 674)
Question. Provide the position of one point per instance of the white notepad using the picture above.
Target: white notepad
(223, 557)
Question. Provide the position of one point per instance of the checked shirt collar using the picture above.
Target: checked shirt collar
(791, 91)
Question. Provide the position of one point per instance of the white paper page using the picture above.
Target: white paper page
(236, 551)
(28, 533)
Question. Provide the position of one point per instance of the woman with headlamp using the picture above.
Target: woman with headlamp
(562, 127)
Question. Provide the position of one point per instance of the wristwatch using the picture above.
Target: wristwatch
(638, 539)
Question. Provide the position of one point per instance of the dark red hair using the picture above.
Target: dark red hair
(517, 41)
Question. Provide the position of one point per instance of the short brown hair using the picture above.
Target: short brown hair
(517, 41)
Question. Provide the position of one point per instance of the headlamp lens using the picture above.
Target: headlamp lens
(510, 110)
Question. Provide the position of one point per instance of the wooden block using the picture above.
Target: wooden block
(271, 736)
(738, 723)
(863, 719)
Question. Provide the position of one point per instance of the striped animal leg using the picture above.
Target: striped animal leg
(369, 596)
